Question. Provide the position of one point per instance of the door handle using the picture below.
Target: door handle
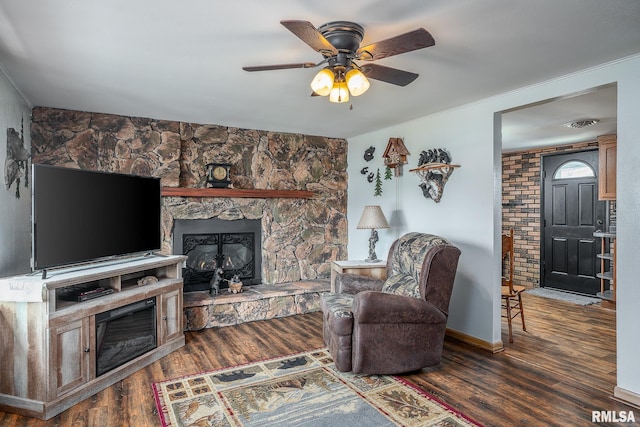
(599, 222)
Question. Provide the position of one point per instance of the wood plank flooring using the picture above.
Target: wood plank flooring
(556, 373)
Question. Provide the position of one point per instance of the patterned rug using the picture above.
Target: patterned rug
(298, 390)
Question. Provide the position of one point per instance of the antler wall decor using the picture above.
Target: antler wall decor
(434, 169)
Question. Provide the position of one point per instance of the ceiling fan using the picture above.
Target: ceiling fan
(339, 43)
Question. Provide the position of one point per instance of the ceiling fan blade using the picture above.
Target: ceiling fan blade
(407, 42)
(388, 74)
(280, 66)
(309, 34)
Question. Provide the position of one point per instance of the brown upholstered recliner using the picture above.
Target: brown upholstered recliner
(373, 326)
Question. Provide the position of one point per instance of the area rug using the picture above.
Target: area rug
(563, 296)
(303, 389)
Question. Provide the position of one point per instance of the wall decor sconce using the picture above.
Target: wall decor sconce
(434, 169)
(395, 155)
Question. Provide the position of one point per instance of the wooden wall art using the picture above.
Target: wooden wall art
(395, 155)
(434, 169)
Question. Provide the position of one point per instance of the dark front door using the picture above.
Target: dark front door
(571, 213)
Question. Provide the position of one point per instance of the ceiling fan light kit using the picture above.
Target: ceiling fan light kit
(339, 85)
(339, 44)
(357, 82)
(339, 92)
(322, 83)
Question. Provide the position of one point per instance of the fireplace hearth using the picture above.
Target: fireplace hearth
(211, 244)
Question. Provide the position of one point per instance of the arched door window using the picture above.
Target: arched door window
(574, 169)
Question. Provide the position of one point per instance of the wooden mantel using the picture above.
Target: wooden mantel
(233, 192)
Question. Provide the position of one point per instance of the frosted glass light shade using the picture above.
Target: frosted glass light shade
(357, 82)
(339, 92)
(323, 82)
(373, 217)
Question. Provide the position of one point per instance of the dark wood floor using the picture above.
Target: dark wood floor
(556, 373)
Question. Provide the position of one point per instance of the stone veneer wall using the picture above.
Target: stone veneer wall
(521, 207)
(300, 236)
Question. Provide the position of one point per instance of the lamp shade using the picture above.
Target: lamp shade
(339, 92)
(323, 82)
(356, 82)
(372, 217)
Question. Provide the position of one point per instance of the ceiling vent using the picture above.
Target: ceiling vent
(579, 124)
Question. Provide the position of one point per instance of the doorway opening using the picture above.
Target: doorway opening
(529, 133)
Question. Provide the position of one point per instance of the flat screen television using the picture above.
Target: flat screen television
(81, 216)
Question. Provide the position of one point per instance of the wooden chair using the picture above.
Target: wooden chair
(511, 294)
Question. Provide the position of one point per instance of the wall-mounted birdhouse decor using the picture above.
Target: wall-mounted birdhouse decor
(395, 155)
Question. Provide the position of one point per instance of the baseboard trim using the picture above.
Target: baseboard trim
(626, 396)
(476, 342)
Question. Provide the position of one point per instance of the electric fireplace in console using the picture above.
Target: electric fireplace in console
(79, 346)
(124, 334)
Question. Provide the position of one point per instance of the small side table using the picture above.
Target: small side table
(377, 270)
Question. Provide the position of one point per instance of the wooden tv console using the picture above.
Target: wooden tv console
(47, 343)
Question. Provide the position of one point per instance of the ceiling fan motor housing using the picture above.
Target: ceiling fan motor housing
(343, 35)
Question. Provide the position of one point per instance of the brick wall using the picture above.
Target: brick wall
(521, 207)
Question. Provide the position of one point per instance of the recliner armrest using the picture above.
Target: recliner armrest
(380, 307)
(348, 283)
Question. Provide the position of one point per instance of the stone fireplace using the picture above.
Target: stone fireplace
(299, 236)
(234, 247)
(293, 247)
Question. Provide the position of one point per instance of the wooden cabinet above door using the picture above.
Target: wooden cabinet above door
(607, 147)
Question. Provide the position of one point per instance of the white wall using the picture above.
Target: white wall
(15, 224)
(469, 213)
(628, 227)
(464, 214)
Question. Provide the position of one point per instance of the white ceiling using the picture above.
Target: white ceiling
(544, 124)
(182, 60)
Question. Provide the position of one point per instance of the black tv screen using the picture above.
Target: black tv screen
(81, 216)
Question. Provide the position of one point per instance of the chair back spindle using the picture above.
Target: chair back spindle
(511, 294)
